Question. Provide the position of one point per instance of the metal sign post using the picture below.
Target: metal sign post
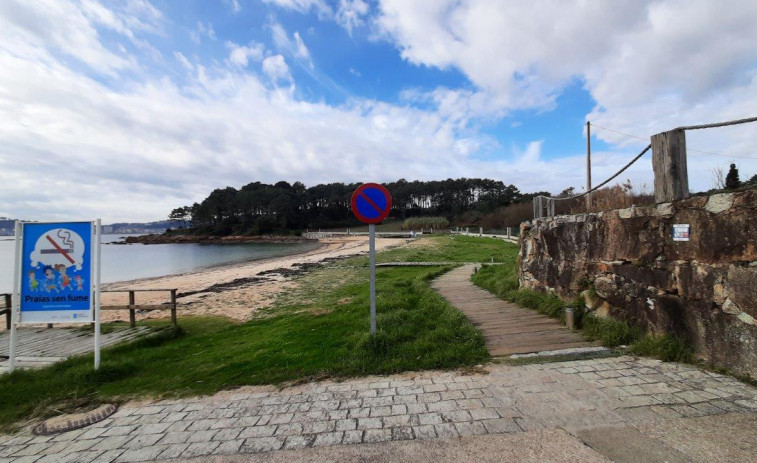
(372, 252)
(56, 277)
(371, 204)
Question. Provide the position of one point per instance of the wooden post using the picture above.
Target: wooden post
(132, 312)
(671, 178)
(588, 165)
(9, 312)
(173, 308)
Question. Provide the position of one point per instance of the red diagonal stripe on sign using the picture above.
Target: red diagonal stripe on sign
(370, 201)
(60, 249)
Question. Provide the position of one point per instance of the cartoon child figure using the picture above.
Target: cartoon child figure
(49, 284)
(79, 283)
(63, 279)
(33, 283)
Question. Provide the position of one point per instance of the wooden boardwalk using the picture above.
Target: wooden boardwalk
(507, 328)
(38, 347)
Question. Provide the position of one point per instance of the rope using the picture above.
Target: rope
(606, 181)
(690, 127)
(718, 124)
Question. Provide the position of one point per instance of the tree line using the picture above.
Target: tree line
(264, 208)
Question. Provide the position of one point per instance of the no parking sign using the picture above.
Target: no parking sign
(371, 204)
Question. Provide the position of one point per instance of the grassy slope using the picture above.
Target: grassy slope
(318, 330)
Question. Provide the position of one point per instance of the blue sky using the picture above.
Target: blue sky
(151, 105)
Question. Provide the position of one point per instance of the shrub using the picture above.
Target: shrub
(416, 223)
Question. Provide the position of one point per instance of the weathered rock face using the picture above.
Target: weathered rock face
(704, 289)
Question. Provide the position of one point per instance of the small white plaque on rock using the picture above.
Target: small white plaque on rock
(681, 232)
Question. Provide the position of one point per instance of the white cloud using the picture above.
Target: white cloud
(73, 145)
(202, 30)
(183, 61)
(234, 5)
(241, 55)
(304, 6)
(351, 14)
(276, 68)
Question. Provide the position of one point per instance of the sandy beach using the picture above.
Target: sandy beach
(236, 291)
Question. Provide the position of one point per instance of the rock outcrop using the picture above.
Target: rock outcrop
(703, 290)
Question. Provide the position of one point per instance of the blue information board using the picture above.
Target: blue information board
(56, 272)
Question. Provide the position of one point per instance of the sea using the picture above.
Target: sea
(123, 262)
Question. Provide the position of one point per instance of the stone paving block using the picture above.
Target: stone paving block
(469, 404)
(144, 440)
(359, 413)
(229, 447)
(140, 454)
(298, 442)
(444, 406)
(377, 435)
(317, 427)
(346, 425)
(261, 444)
(247, 421)
(380, 411)
(424, 432)
(399, 420)
(201, 425)
(386, 391)
(201, 436)
(430, 418)
(334, 415)
(402, 433)
(399, 409)
(351, 403)
(281, 419)
(500, 426)
(329, 438)
(456, 416)
(112, 443)
(378, 401)
(91, 433)
(257, 431)
(415, 409)
(369, 423)
(352, 437)
(227, 434)
(316, 415)
(474, 394)
(197, 449)
(470, 429)
(26, 459)
(483, 413)
(405, 399)
(446, 430)
(707, 409)
(289, 429)
(178, 426)
(172, 451)
(173, 417)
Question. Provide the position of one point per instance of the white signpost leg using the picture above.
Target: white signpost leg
(15, 304)
(96, 253)
(372, 251)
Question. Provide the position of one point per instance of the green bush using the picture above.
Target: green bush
(416, 223)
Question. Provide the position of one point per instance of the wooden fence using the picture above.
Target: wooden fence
(132, 306)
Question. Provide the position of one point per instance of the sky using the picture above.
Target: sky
(126, 109)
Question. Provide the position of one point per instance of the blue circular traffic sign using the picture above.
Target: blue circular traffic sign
(371, 203)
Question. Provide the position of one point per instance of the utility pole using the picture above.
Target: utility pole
(588, 165)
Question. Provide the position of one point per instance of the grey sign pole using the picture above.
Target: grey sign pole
(372, 251)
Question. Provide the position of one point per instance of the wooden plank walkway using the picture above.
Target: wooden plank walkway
(39, 346)
(507, 328)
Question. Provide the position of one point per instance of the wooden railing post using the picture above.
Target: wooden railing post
(173, 308)
(132, 312)
(671, 178)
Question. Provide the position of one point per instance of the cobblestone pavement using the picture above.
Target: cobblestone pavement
(425, 405)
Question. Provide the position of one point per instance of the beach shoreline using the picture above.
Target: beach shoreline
(235, 290)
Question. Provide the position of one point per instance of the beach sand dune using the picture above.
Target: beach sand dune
(236, 291)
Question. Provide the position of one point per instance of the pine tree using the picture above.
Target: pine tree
(732, 179)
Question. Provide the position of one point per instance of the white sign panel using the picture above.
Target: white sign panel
(681, 232)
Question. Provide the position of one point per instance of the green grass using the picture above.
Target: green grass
(502, 280)
(319, 330)
(452, 248)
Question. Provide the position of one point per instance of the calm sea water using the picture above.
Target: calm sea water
(129, 262)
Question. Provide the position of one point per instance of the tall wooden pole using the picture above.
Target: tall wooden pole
(588, 165)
